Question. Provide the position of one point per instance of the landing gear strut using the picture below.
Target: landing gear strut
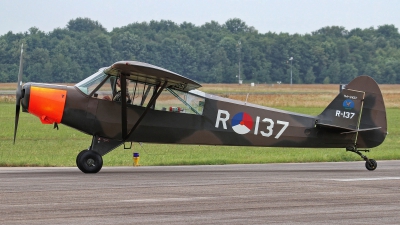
(89, 161)
(370, 164)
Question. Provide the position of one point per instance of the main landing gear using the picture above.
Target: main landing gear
(89, 161)
(370, 164)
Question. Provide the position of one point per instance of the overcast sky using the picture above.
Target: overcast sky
(289, 16)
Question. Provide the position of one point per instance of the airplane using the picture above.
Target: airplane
(160, 106)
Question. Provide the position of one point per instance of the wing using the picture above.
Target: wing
(150, 74)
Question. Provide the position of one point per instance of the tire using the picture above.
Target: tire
(89, 161)
(371, 165)
(77, 159)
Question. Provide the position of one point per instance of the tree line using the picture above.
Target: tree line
(210, 53)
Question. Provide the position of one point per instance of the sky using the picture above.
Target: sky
(287, 16)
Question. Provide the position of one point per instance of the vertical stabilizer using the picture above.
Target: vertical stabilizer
(344, 111)
(358, 108)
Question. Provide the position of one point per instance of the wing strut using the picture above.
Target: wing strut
(149, 105)
(124, 118)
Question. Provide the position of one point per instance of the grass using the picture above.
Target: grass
(41, 145)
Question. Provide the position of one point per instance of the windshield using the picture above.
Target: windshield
(92, 82)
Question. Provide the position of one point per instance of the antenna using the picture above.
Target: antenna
(246, 98)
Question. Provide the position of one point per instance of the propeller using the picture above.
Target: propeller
(18, 94)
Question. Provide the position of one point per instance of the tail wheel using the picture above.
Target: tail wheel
(89, 161)
(371, 164)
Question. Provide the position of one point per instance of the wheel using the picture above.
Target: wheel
(371, 165)
(77, 158)
(89, 161)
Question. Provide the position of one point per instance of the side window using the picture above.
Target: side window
(169, 100)
(140, 93)
(180, 102)
(105, 91)
(111, 90)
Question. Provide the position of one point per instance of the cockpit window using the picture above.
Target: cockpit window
(106, 87)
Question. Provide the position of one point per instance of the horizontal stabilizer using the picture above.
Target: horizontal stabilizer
(334, 127)
(345, 129)
(361, 130)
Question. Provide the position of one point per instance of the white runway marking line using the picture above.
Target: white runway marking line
(6, 205)
(367, 179)
(167, 199)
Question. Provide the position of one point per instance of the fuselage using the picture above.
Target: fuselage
(222, 122)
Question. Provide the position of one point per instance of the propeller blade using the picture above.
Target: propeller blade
(16, 121)
(18, 94)
(19, 84)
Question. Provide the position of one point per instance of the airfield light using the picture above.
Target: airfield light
(238, 49)
(136, 159)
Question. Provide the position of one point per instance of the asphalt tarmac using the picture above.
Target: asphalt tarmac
(307, 193)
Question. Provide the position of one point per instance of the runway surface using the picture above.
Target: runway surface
(309, 193)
